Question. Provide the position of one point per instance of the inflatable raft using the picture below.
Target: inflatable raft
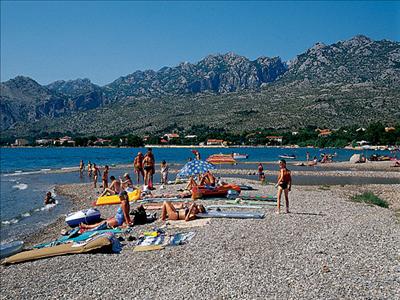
(210, 191)
(114, 199)
(86, 216)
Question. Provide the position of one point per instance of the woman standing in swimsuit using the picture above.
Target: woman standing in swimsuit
(284, 184)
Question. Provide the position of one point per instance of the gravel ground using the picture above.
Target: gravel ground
(327, 248)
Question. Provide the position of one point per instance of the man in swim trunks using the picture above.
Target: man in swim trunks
(138, 166)
(89, 168)
(96, 173)
(284, 184)
(114, 189)
(184, 213)
(148, 167)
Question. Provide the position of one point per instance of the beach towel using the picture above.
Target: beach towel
(231, 214)
(184, 224)
(180, 238)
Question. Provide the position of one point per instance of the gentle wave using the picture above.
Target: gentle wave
(20, 186)
(27, 214)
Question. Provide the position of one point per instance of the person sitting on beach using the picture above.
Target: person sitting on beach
(284, 184)
(191, 184)
(208, 179)
(121, 217)
(138, 166)
(96, 173)
(184, 213)
(126, 183)
(48, 199)
(114, 189)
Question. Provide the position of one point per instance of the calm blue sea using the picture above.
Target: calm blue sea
(24, 180)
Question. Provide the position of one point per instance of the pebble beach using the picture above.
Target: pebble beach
(328, 247)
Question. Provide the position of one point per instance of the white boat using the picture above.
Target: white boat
(86, 216)
(288, 156)
(11, 248)
(240, 156)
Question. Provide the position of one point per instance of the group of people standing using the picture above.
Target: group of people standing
(144, 166)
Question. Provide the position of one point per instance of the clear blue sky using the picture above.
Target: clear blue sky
(104, 40)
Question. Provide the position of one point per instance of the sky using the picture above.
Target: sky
(103, 40)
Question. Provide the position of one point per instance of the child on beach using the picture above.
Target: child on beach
(284, 184)
(48, 199)
(104, 178)
(164, 172)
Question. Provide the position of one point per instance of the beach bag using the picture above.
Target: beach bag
(232, 194)
(139, 215)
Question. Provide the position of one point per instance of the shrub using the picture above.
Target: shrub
(370, 198)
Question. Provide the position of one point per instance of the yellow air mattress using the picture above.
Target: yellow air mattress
(110, 200)
(70, 248)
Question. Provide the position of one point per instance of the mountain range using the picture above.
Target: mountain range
(355, 81)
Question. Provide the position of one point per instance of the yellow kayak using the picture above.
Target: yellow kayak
(114, 199)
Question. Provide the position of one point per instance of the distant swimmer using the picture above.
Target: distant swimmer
(48, 199)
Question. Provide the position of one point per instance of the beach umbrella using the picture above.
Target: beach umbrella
(195, 167)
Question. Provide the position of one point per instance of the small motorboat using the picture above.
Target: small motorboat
(240, 156)
(288, 156)
(86, 216)
(221, 159)
(11, 248)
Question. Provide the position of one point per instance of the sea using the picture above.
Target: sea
(28, 173)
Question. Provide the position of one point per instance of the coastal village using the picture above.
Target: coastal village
(172, 139)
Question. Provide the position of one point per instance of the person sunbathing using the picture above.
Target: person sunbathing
(114, 189)
(120, 218)
(183, 213)
(191, 184)
(208, 179)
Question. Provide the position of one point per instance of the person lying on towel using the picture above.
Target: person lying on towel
(183, 213)
(208, 179)
(121, 217)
